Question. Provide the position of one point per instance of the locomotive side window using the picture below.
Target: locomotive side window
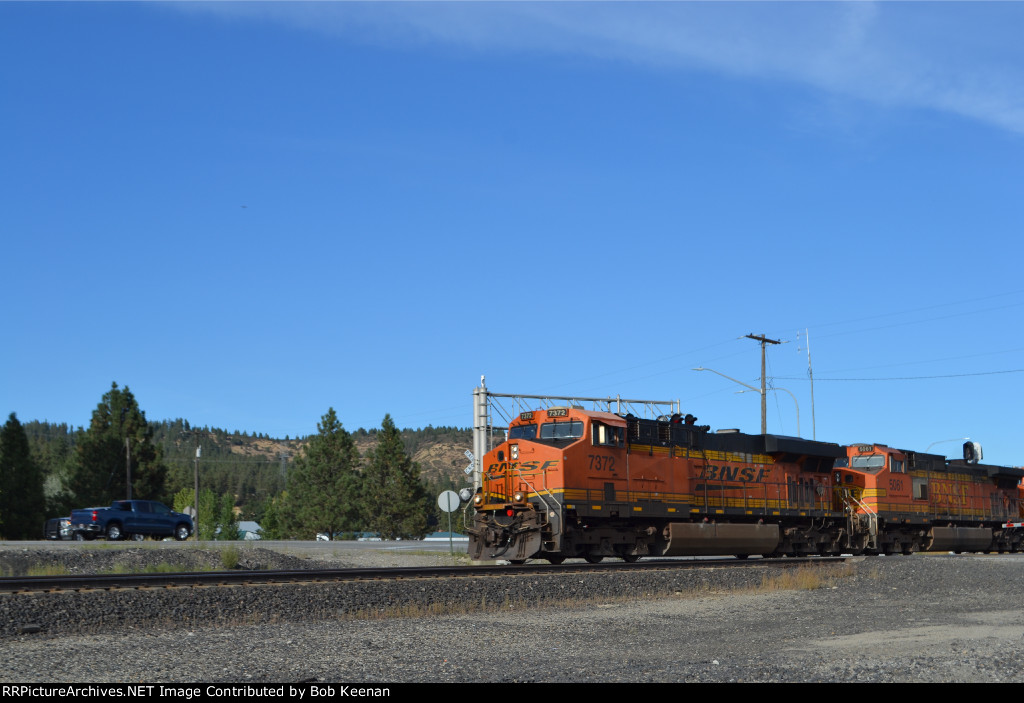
(523, 432)
(608, 436)
(921, 489)
(561, 430)
(897, 466)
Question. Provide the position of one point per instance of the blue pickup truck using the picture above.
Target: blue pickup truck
(130, 519)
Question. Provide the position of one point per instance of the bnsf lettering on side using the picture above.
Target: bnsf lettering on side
(748, 474)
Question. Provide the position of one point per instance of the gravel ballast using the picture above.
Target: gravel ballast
(919, 618)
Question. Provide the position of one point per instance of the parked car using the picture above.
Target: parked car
(130, 519)
(57, 528)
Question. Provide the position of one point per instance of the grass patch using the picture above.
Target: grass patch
(229, 557)
(805, 578)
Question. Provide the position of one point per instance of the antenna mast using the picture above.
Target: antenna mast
(810, 374)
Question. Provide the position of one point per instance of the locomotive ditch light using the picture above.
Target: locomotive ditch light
(478, 500)
(519, 497)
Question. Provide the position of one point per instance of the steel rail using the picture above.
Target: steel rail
(89, 582)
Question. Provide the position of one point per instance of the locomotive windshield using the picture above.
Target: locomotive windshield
(561, 430)
(523, 432)
(870, 463)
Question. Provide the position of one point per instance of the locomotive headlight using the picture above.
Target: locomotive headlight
(513, 451)
(519, 497)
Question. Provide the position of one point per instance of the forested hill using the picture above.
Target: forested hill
(440, 451)
(251, 467)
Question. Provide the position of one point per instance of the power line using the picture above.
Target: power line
(920, 309)
(906, 378)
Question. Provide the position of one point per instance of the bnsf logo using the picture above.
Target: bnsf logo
(734, 473)
(522, 466)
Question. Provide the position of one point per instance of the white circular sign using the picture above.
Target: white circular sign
(448, 501)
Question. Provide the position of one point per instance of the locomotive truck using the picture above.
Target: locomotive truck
(571, 483)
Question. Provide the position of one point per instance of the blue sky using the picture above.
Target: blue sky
(248, 213)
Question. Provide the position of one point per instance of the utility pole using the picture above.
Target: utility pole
(764, 404)
(195, 520)
(128, 465)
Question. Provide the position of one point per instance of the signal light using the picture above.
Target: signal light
(510, 512)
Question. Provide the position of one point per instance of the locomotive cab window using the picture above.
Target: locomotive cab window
(561, 430)
(898, 466)
(523, 432)
(605, 435)
(868, 463)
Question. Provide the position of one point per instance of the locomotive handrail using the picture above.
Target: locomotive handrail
(538, 493)
(744, 487)
(870, 512)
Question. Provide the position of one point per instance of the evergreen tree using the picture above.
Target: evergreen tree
(183, 500)
(53, 449)
(206, 516)
(323, 484)
(270, 521)
(118, 430)
(395, 501)
(22, 500)
(227, 521)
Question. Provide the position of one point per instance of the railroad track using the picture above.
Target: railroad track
(108, 582)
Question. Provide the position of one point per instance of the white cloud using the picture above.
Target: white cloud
(961, 58)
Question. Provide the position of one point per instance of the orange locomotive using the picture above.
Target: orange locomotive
(906, 501)
(573, 483)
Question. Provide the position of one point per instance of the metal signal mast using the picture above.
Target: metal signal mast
(509, 405)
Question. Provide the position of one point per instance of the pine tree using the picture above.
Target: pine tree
(22, 500)
(227, 521)
(183, 500)
(394, 498)
(270, 523)
(323, 484)
(206, 515)
(118, 428)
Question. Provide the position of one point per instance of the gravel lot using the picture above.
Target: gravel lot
(921, 618)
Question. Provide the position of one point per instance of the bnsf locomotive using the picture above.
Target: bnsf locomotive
(570, 483)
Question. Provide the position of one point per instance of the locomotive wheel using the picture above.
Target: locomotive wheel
(630, 558)
(593, 558)
(555, 560)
